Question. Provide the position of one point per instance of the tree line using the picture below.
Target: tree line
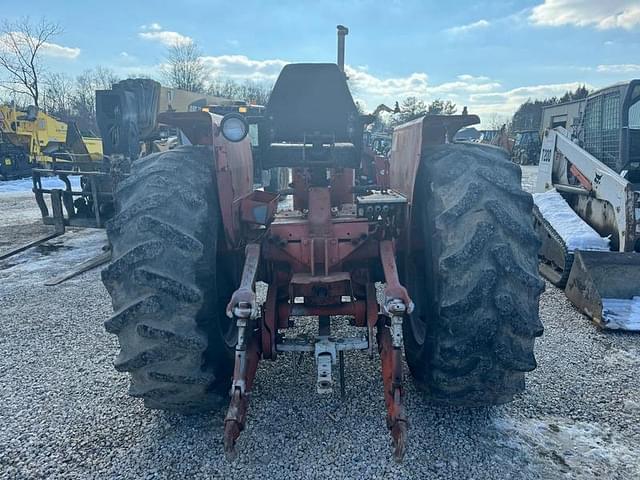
(529, 114)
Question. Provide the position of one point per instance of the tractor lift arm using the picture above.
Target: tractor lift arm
(390, 344)
(244, 310)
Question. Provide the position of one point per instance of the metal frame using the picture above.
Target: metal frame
(596, 181)
(93, 172)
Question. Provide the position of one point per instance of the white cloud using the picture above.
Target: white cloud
(462, 29)
(59, 51)
(602, 14)
(415, 84)
(48, 49)
(367, 85)
(155, 33)
(151, 26)
(241, 67)
(469, 78)
(620, 68)
(507, 102)
(472, 86)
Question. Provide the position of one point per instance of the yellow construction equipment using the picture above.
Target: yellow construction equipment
(29, 138)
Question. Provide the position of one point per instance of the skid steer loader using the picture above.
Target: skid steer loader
(444, 230)
(588, 207)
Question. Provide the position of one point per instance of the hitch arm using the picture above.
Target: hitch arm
(390, 343)
(245, 296)
(244, 310)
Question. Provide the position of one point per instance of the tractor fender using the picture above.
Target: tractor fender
(233, 164)
(409, 140)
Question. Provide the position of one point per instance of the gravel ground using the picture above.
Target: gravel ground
(65, 412)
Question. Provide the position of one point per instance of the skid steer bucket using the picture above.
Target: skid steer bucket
(606, 287)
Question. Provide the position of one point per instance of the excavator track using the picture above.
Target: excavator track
(555, 258)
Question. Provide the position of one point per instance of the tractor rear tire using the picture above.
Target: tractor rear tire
(168, 287)
(475, 283)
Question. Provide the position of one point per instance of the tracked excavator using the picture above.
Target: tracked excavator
(587, 207)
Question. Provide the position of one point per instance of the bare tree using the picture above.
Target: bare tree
(21, 45)
(494, 121)
(84, 98)
(184, 68)
(57, 98)
(250, 92)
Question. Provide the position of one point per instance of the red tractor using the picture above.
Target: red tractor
(444, 227)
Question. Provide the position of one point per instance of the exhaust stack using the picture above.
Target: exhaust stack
(342, 32)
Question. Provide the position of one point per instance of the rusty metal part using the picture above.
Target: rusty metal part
(244, 309)
(321, 290)
(258, 207)
(584, 181)
(372, 314)
(243, 377)
(391, 359)
(410, 138)
(390, 343)
(270, 323)
(319, 211)
(396, 309)
(393, 290)
(243, 301)
(342, 181)
(233, 164)
(290, 240)
(355, 309)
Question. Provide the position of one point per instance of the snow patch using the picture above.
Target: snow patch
(26, 184)
(576, 233)
(621, 313)
(576, 449)
(54, 257)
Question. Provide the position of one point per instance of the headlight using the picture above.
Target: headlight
(234, 127)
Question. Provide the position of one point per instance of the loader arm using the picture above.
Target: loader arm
(595, 180)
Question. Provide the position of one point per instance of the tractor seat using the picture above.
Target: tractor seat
(311, 119)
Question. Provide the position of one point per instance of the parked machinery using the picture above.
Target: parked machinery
(29, 138)
(588, 207)
(503, 140)
(129, 129)
(526, 147)
(444, 229)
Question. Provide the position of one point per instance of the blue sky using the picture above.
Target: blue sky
(490, 55)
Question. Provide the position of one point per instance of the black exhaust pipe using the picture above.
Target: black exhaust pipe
(342, 32)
